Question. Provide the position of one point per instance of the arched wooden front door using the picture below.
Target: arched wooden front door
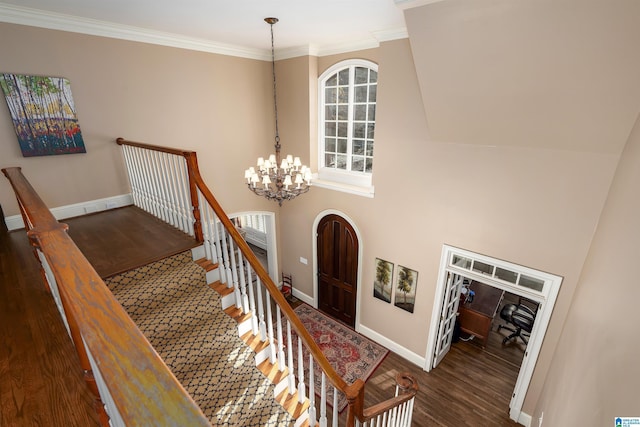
(337, 268)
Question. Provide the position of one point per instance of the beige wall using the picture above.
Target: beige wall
(531, 103)
(529, 201)
(219, 106)
(596, 360)
(559, 74)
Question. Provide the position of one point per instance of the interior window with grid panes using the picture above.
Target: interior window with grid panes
(349, 119)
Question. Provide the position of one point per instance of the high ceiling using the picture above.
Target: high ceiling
(318, 27)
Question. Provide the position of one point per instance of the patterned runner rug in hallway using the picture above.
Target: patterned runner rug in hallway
(182, 317)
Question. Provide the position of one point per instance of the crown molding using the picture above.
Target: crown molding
(410, 4)
(57, 21)
(389, 35)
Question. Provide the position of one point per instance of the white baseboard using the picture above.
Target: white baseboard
(302, 297)
(524, 419)
(15, 222)
(393, 346)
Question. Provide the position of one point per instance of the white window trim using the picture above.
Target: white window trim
(358, 183)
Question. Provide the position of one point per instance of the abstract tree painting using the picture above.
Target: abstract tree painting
(405, 296)
(43, 114)
(382, 283)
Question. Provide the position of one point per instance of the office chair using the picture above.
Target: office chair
(521, 316)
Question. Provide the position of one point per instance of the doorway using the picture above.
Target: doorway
(337, 268)
(457, 267)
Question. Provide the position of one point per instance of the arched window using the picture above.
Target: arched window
(347, 107)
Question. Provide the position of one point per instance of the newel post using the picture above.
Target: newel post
(355, 398)
(192, 167)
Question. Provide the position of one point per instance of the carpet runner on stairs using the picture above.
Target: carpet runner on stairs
(181, 316)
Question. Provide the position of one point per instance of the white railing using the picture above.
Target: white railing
(160, 185)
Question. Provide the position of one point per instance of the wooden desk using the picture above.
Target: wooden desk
(476, 317)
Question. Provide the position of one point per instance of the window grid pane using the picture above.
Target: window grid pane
(349, 117)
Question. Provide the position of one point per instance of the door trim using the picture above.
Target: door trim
(314, 239)
(545, 297)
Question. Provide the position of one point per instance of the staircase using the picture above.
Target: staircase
(184, 321)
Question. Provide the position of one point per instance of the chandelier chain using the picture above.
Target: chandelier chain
(275, 99)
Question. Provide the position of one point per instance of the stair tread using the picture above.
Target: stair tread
(254, 342)
(206, 264)
(237, 314)
(221, 288)
(271, 371)
(291, 404)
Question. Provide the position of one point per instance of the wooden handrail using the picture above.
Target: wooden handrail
(408, 387)
(143, 388)
(354, 392)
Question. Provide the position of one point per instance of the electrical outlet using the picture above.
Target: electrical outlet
(303, 260)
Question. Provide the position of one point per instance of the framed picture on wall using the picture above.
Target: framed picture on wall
(43, 114)
(405, 288)
(383, 279)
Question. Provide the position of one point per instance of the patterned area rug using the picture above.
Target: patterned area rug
(352, 355)
(182, 317)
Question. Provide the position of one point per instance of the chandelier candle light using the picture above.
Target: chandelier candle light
(278, 178)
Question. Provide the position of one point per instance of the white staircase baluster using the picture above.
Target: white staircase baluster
(132, 178)
(177, 197)
(207, 232)
(234, 270)
(334, 412)
(323, 400)
(162, 175)
(243, 283)
(312, 394)
(171, 185)
(156, 185)
(138, 155)
(181, 169)
(164, 196)
(261, 325)
(222, 267)
(272, 340)
(301, 385)
(292, 377)
(148, 165)
(281, 359)
(225, 252)
(252, 300)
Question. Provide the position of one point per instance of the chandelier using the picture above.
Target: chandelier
(278, 178)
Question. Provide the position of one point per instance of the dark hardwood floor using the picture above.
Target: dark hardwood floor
(40, 380)
(121, 239)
